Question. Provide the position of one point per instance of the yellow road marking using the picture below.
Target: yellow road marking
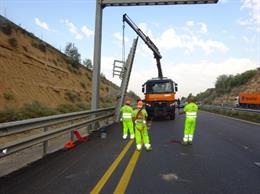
(111, 169)
(122, 185)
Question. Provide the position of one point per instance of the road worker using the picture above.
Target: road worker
(126, 112)
(191, 110)
(141, 130)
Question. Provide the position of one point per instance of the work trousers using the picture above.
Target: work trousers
(189, 129)
(142, 135)
(128, 126)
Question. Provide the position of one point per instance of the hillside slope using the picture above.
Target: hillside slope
(32, 70)
(227, 97)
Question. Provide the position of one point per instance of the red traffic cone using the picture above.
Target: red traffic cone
(79, 137)
(69, 145)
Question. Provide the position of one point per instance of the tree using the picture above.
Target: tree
(74, 57)
(88, 64)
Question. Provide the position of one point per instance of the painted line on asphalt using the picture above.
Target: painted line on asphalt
(111, 169)
(233, 118)
(123, 183)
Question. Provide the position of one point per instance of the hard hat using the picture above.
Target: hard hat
(140, 104)
(128, 102)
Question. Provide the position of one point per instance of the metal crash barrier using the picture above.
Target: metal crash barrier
(52, 127)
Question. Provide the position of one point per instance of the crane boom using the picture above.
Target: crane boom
(147, 41)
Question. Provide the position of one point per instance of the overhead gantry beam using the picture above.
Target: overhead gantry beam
(106, 3)
(100, 4)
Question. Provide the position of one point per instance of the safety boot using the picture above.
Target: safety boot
(148, 147)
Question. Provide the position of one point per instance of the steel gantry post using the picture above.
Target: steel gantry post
(100, 4)
(97, 56)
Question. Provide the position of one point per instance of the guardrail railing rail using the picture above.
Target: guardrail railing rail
(70, 122)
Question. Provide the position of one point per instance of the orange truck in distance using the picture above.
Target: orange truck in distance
(248, 100)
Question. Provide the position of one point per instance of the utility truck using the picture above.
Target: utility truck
(159, 92)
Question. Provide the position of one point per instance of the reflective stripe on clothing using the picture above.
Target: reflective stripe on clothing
(127, 115)
(191, 114)
(185, 138)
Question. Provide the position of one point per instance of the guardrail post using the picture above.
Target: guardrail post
(71, 132)
(45, 143)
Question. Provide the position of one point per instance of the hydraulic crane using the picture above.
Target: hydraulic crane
(147, 41)
(159, 92)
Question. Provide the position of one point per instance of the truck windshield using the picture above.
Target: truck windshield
(159, 87)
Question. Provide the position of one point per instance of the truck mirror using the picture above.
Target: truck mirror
(143, 89)
(176, 88)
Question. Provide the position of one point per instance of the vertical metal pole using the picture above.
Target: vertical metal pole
(124, 84)
(45, 143)
(97, 56)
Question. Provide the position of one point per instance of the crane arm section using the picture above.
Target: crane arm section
(147, 41)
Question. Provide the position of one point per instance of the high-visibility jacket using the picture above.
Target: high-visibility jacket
(126, 113)
(140, 118)
(191, 110)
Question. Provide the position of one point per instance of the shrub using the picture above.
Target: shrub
(6, 28)
(66, 108)
(72, 69)
(42, 47)
(13, 42)
(83, 106)
(72, 96)
(8, 95)
(73, 55)
(33, 110)
(7, 114)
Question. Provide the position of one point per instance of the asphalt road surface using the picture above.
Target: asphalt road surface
(224, 158)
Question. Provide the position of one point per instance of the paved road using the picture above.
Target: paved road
(225, 158)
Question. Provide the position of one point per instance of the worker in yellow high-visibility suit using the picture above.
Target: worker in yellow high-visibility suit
(126, 117)
(191, 110)
(141, 130)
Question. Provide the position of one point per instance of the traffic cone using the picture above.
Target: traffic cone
(79, 137)
(69, 145)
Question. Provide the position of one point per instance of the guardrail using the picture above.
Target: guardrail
(25, 125)
(46, 122)
(232, 108)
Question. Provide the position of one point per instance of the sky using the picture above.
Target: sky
(197, 42)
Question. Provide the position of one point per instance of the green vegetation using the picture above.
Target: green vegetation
(66, 108)
(224, 84)
(249, 116)
(8, 95)
(72, 96)
(6, 28)
(36, 109)
(42, 47)
(7, 114)
(29, 110)
(13, 42)
(133, 95)
(73, 55)
(88, 64)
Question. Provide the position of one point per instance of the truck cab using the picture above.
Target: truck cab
(160, 97)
